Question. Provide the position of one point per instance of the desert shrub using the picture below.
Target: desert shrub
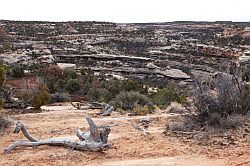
(177, 126)
(1, 103)
(4, 123)
(232, 121)
(246, 73)
(59, 97)
(217, 121)
(54, 78)
(142, 110)
(169, 94)
(38, 69)
(40, 97)
(186, 124)
(52, 71)
(70, 74)
(228, 96)
(245, 95)
(131, 85)
(5, 67)
(175, 107)
(26, 97)
(18, 72)
(129, 100)
(201, 136)
(83, 72)
(2, 76)
(72, 85)
(114, 86)
(99, 94)
(214, 119)
(52, 83)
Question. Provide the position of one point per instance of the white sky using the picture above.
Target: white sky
(125, 11)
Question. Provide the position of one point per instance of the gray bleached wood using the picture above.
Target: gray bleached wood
(94, 140)
(106, 109)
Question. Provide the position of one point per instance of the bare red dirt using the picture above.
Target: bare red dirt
(130, 146)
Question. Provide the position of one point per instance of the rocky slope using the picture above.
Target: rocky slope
(183, 49)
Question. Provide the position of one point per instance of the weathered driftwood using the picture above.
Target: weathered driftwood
(77, 105)
(94, 140)
(9, 102)
(106, 110)
(85, 105)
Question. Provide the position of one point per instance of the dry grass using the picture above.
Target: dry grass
(175, 107)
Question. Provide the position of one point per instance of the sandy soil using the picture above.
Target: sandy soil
(130, 146)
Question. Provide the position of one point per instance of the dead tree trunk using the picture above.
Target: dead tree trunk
(6, 96)
(85, 105)
(106, 110)
(10, 103)
(94, 140)
(77, 105)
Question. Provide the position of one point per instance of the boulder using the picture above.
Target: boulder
(176, 73)
(66, 65)
(244, 59)
(152, 66)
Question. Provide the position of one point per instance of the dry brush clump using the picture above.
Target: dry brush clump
(40, 97)
(186, 124)
(1, 103)
(175, 107)
(229, 96)
(171, 93)
(222, 106)
(133, 102)
(4, 123)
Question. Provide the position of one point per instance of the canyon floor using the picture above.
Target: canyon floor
(130, 147)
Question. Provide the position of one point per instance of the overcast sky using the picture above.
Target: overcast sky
(126, 11)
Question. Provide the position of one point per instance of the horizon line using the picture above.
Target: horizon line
(156, 22)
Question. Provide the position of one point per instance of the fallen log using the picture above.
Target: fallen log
(77, 105)
(96, 139)
(9, 102)
(106, 110)
(85, 105)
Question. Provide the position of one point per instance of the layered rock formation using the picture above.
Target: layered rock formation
(176, 50)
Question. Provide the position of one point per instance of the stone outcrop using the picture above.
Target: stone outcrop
(175, 50)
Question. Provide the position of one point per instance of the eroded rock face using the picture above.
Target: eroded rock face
(244, 65)
(243, 60)
(176, 73)
(15, 58)
(152, 66)
(176, 50)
